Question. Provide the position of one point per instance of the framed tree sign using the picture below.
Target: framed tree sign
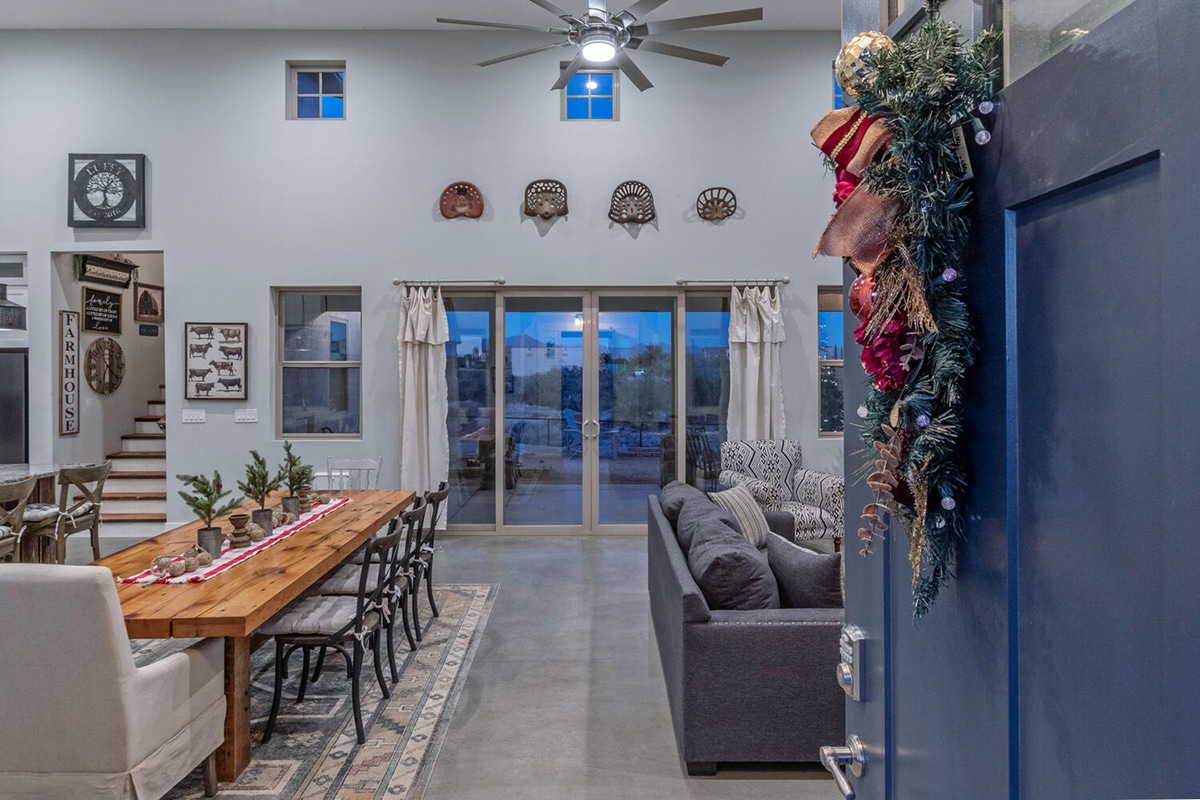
(215, 353)
(101, 311)
(106, 191)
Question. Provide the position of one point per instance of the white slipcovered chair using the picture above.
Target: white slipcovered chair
(771, 469)
(78, 718)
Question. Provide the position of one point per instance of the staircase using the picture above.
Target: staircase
(136, 489)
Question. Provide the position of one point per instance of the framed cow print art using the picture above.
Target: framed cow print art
(215, 360)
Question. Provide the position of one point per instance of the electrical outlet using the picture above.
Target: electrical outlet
(191, 417)
(245, 415)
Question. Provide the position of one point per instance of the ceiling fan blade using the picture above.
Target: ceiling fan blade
(644, 29)
(529, 52)
(675, 50)
(562, 14)
(504, 25)
(638, 10)
(569, 72)
(632, 72)
(600, 6)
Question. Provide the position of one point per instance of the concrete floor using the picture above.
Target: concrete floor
(565, 699)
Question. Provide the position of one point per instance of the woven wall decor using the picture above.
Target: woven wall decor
(546, 198)
(716, 203)
(462, 199)
(632, 201)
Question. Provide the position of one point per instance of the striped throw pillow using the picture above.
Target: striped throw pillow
(741, 503)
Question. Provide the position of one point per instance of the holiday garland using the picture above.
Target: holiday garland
(903, 198)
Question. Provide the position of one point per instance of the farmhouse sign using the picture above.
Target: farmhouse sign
(68, 373)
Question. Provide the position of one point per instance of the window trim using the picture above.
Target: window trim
(279, 293)
(825, 295)
(293, 89)
(616, 94)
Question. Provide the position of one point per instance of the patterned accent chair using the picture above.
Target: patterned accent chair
(771, 469)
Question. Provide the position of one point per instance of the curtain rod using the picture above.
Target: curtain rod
(785, 280)
(437, 282)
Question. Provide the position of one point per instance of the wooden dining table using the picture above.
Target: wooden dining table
(236, 602)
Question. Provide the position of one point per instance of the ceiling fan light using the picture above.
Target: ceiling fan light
(598, 47)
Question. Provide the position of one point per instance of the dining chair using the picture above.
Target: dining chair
(72, 514)
(323, 621)
(353, 473)
(12, 520)
(423, 563)
(344, 581)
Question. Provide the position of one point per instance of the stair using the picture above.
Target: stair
(136, 489)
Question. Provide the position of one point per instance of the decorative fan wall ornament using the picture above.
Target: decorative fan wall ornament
(632, 201)
(546, 199)
(716, 204)
(462, 199)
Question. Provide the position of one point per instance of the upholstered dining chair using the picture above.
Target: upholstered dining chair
(72, 514)
(340, 622)
(353, 473)
(80, 719)
(771, 469)
(425, 549)
(12, 520)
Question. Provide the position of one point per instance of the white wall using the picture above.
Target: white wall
(241, 200)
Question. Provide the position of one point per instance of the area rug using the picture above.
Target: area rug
(314, 752)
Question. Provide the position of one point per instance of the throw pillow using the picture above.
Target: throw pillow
(739, 502)
(673, 496)
(806, 579)
(701, 519)
(733, 574)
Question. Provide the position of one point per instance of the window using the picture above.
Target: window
(830, 352)
(319, 374)
(706, 386)
(317, 90)
(591, 95)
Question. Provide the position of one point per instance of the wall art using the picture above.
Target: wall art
(98, 269)
(215, 360)
(147, 302)
(716, 204)
(632, 202)
(106, 191)
(461, 199)
(101, 311)
(546, 199)
(68, 373)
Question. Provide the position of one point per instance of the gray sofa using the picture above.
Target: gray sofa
(743, 685)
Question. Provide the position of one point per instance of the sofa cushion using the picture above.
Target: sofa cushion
(805, 579)
(673, 496)
(741, 503)
(733, 574)
(701, 519)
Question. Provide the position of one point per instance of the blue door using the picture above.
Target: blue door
(1061, 662)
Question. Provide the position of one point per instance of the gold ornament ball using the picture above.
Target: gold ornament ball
(849, 67)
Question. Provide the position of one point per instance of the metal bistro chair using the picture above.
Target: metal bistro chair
(337, 621)
(57, 522)
(353, 473)
(12, 520)
(423, 564)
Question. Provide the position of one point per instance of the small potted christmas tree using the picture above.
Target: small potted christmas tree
(205, 503)
(296, 476)
(258, 486)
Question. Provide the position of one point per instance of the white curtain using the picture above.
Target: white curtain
(755, 364)
(424, 447)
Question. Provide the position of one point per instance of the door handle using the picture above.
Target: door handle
(586, 428)
(853, 754)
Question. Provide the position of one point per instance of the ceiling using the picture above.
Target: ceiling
(373, 14)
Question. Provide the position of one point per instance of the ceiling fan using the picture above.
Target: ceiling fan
(601, 37)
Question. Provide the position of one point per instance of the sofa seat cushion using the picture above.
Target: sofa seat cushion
(731, 572)
(674, 495)
(700, 519)
(805, 579)
(741, 503)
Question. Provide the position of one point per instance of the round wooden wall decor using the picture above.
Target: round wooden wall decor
(632, 201)
(462, 199)
(716, 203)
(546, 198)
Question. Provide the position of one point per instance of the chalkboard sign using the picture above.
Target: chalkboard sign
(147, 330)
(101, 311)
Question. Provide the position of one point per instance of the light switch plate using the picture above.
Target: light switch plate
(245, 415)
(191, 417)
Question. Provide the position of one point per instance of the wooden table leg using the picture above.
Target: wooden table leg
(234, 755)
